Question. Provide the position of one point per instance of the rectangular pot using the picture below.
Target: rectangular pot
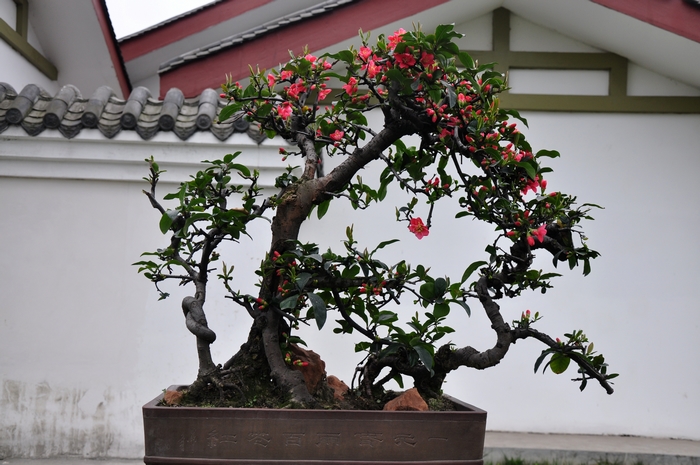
(218, 436)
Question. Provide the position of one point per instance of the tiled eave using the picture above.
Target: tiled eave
(34, 110)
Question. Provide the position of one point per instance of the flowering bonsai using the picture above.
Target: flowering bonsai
(471, 155)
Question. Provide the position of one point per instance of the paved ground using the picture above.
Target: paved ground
(582, 449)
(553, 448)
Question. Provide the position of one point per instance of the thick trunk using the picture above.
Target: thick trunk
(196, 322)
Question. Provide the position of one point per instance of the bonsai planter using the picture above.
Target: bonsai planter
(217, 436)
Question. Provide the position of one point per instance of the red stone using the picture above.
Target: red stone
(338, 386)
(315, 372)
(172, 397)
(409, 400)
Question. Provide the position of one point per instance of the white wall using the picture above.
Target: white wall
(15, 69)
(85, 343)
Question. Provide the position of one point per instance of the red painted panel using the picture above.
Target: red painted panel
(105, 25)
(672, 15)
(273, 48)
(186, 26)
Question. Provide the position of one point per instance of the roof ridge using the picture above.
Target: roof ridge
(169, 20)
(250, 34)
(70, 112)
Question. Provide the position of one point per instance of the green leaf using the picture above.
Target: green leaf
(167, 220)
(229, 110)
(425, 356)
(385, 243)
(289, 302)
(264, 109)
(559, 363)
(441, 310)
(302, 280)
(442, 32)
(529, 169)
(465, 307)
(319, 306)
(399, 380)
(468, 272)
(515, 114)
(547, 153)
(427, 290)
(451, 94)
(245, 171)
(440, 287)
(541, 358)
(466, 60)
(323, 208)
(344, 55)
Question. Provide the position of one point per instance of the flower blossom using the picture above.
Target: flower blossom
(532, 184)
(364, 53)
(417, 227)
(373, 69)
(396, 38)
(540, 232)
(286, 75)
(295, 89)
(271, 80)
(351, 87)
(427, 59)
(405, 60)
(284, 110)
(336, 135)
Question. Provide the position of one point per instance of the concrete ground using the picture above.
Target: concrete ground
(584, 449)
(553, 448)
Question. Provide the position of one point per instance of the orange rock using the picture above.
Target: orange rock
(338, 386)
(409, 400)
(315, 372)
(172, 397)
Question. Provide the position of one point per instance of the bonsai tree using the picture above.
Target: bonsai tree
(471, 155)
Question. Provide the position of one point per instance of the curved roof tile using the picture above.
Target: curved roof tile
(68, 111)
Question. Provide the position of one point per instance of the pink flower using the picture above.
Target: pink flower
(322, 94)
(532, 185)
(530, 240)
(364, 53)
(336, 135)
(284, 110)
(295, 89)
(271, 80)
(445, 133)
(540, 232)
(427, 59)
(405, 60)
(351, 87)
(309, 57)
(396, 38)
(417, 227)
(284, 75)
(373, 69)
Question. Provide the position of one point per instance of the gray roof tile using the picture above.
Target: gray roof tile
(68, 111)
(310, 12)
